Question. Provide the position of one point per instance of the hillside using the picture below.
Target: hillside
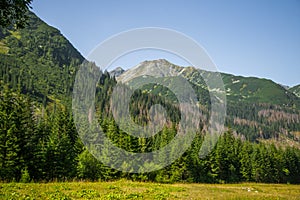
(256, 108)
(39, 59)
(295, 90)
(238, 88)
(251, 89)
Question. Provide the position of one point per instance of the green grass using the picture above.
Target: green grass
(138, 190)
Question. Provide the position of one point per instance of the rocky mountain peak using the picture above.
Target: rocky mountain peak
(117, 72)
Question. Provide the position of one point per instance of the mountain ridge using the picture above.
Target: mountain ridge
(237, 87)
(119, 68)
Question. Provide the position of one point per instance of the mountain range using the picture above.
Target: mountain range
(238, 88)
(39, 61)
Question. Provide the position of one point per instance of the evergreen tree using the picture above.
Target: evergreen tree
(245, 161)
(16, 127)
(61, 148)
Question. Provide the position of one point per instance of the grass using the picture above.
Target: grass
(124, 189)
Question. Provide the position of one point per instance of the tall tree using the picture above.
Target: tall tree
(16, 127)
(62, 149)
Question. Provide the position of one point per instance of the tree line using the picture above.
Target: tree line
(40, 143)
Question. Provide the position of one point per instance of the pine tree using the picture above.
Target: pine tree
(61, 149)
(245, 161)
(16, 127)
(88, 168)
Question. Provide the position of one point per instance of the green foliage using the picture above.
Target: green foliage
(15, 131)
(42, 144)
(88, 166)
(87, 194)
(29, 148)
(25, 176)
(14, 13)
(39, 61)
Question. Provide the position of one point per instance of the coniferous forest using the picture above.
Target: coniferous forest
(41, 144)
(39, 140)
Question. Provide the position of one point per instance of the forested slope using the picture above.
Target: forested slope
(39, 60)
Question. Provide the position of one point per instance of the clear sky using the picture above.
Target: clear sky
(250, 38)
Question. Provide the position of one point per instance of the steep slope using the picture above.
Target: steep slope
(39, 59)
(295, 90)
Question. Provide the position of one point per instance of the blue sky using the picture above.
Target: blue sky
(251, 38)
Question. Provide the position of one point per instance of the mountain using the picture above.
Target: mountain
(39, 59)
(256, 107)
(238, 88)
(117, 72)
(295, 90)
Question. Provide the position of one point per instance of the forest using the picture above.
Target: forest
(39, 141)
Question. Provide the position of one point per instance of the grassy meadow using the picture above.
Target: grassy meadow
(124, 189)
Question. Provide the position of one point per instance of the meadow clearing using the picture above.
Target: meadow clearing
(124, 189)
